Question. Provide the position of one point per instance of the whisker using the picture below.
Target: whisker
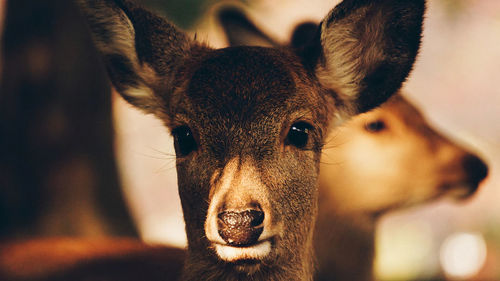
(169, 155)
(164, 167)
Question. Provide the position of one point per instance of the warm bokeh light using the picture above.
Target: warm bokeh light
(167, 230)
(463, 255)
(402, 251)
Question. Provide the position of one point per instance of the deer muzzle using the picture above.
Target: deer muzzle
(239, 224)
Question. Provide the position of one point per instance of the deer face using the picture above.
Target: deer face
(247, 167)
(390, 158)
(249, 122)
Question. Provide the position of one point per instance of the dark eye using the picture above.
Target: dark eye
(298, 134)
(183, 141)
(375, 126)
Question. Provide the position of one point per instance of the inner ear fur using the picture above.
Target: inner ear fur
(365, 49)
(141, 51)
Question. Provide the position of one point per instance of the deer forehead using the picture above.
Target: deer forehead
(246, 84)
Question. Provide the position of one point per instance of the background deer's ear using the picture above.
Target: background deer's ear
(365, 49)
(240, 30)
(303, 34)
(141, 51)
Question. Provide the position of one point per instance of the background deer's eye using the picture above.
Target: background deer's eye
(184, 141)
(298, 135)
(375, 126)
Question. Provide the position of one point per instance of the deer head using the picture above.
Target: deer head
(249, 122)
(391, 158)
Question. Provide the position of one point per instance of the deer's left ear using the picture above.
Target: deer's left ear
(365, 50)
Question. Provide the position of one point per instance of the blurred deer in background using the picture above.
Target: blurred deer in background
(249, 123)
(382, 160)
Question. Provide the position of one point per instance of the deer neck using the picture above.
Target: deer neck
(344, 246)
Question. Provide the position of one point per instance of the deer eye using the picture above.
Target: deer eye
(375, 126)
(298, 135)
(184, 141)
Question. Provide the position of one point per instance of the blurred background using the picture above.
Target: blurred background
(454, 83)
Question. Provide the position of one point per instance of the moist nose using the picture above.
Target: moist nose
(240, 228)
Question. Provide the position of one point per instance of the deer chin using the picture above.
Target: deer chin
(251, 254)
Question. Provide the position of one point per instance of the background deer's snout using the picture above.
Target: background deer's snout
(240, 228)
(475, 169)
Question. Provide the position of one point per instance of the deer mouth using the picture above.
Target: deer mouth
(460, 190)
(475, 171)
(250, 253)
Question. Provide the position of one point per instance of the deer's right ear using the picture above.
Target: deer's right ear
(365, 49)
(141, 51)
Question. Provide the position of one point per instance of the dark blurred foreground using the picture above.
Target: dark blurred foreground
(57, 169)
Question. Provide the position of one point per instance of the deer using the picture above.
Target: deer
(385, 160)
(389, 158)
(249, 123)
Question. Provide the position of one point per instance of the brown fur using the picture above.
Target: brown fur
(236, 107)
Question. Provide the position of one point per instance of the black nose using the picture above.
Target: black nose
(240, 228)
(476, 169)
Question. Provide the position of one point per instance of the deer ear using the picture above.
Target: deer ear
(365, 49)
(138, 48)
(240, 30)
(303, 34)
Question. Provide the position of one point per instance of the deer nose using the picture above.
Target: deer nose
(240, 228)
(476, 170)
